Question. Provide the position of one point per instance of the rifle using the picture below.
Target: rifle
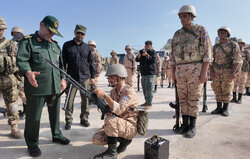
(204, 108)
(101, 104)
(162, 77)
(138, 77)
(3, 111)
(176, 106)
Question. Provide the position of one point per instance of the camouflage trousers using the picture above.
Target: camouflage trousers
(248, 80)
(8, 88)
(169, 73)
(188, 88)
(129, 78)
(222, 86)
(114, 127)
(239, 82)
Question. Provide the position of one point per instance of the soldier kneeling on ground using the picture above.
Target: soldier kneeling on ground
(121, 125)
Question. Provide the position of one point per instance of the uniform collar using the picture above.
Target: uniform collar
(39, 39)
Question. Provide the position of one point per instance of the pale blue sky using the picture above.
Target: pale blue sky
(115, 23)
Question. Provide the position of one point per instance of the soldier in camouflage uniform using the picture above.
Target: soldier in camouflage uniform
(97, 60)
(8, 81)
(18, 34)
(122, 126)
(226, 62)
(247, 85)
(164, 67)
(114, 59)
(158, 70)
(241, 76)
(130, 65)
(189, 60)
(169, 73)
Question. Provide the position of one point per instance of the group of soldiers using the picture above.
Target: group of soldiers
(191, 61)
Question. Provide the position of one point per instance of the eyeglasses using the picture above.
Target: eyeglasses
(222, 32)
(80, 33)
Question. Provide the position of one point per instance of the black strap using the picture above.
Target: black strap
(191, 32)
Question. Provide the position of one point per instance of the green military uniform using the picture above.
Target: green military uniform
(31, 54)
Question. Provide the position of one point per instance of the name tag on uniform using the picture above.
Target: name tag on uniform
(37, 47)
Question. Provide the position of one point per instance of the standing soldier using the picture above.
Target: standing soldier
(241, 76)
(97, 60)
(164, 67)
(114, 59)
(130, 65)
(8, 82)
(169, 73)
(158, 70)
(247, 85)
(189, 60)
(42, 83)
(18, 34)
(121, 125)
(226, 62)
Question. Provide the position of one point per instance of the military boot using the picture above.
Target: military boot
(169, 85)
(184, 127)
(173, 85)
(247, 88)
(155, 89)
(218, 110)
(15, 132)
(111, 152)
(248, 91)
(123, 145)
(239, 98)
(225, 110)
(191, 128)
(234, 100)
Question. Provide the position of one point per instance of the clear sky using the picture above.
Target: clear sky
(115, 23)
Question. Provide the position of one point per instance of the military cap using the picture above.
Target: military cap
(128, 47)
(80, 28)
(52, 24)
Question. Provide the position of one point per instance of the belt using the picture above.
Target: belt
(193, 62)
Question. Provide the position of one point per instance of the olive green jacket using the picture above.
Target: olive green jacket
(31, 55)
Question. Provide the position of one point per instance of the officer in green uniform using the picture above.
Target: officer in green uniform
(42, 82)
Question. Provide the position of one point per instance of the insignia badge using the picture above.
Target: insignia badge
(56, 24)
(37, 47)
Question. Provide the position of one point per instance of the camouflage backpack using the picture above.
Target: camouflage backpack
(142, 122)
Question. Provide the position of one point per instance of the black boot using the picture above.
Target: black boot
(123, 145)
(191, 128)
(111, 152)
(225, 110)
(239, 98)
(247, 90)
(169, 85)
(155, 89)
(184, 127)
(234, 100)
(172, 85)
(218, 110)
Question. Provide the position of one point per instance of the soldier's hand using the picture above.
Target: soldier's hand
(144, 53)
(99, 93)
(32, 77)
(63, 84)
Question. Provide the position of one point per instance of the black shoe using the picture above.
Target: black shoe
(234, 100)
(218, 110)
(110, 153)
(67, 126)
(239, 98)
(155, 89)
(184, 127)
(63, 140)
(85, 123)
(123, 145)
(34, 152)
(225, 110)
(191, 128)
(169, 85)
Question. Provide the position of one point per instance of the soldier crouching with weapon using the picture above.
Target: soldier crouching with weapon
(121, 124)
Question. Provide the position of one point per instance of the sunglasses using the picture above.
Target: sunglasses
(79, 33)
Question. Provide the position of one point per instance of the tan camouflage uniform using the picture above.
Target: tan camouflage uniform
(114, 60)
(248, 76)
(222, 85)
(164, 67)
(158, 68)
(125, 125)
(130, 65)
(188, 61)
(98, 65)
(169, 73)
(241, 77)
(8, 81)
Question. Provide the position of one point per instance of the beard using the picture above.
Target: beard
(78, 39)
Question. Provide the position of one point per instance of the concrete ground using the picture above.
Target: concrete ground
(217, 137)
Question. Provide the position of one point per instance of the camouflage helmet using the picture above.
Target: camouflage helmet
(241, 41)
(2, 23)
(92, 42)
(113, 52)
(116, 69)
(225, 28)
(187, 9)
(18, 30)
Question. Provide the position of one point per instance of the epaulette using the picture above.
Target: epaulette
(28, 37)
